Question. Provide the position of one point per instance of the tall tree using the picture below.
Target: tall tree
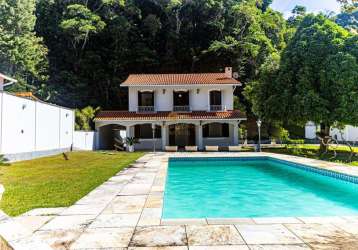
(22, 53)
(317, 78)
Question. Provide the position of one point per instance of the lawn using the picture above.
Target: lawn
(56, 182)
(311, 151)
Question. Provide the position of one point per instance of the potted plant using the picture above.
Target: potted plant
(131, 141)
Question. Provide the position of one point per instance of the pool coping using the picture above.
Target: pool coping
(335, 170)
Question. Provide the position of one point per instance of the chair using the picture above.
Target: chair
(171, 148)
(212, 148)
(191, 148)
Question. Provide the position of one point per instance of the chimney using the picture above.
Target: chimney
(228, 72)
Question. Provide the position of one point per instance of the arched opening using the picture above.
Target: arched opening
(215, 100)
(111, 137)
(182, 135)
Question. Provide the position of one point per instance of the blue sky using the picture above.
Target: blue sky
(285, 6)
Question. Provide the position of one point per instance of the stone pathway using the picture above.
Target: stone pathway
(125, 213)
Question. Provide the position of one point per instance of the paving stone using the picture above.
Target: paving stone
(150, 217)
(44, 211)
(29, 243)
(33, 223)
(136, 189)
(267, 234)
(154, 201)
(276, 247)
(211, 235)
(126, 204)
(11, 230)
(123, 179)
(321, 220)
(158, 248)
(69, 222)
(58, 239)
(115, 220)
(104, 238)
(349, 227)
(183, 222)
(89, 209)
(229, 221)
(276, 220)
(236, 247)
(159, 236)
(320, 233)
(340, 246)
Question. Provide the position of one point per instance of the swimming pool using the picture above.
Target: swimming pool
(254, 187)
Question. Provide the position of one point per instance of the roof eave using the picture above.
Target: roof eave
(178, 85)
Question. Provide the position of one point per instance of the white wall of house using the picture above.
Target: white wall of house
(199, 101)
(349, 133)
(31, 128)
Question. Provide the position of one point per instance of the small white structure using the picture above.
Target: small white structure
(175, 110)
(349, 133)
(6, 81)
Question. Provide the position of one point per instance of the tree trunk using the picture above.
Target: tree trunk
(324, 134)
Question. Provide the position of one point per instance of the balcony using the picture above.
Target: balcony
(216, 108)
(181, 108)
(145, 109)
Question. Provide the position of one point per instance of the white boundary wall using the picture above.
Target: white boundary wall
(84, 140)
(29, 129)
(350, 133)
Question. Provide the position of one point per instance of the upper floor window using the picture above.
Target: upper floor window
(181, 101)
(215, 100)
(146, 98)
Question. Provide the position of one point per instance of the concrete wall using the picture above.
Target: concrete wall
(199, 101)
(29, 129)
(349, 133)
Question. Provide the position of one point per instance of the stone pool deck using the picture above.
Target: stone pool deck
(125, 213)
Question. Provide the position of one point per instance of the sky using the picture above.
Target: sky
(315, 6)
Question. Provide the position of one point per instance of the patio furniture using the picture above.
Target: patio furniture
(235, 148)
(212, 148)
(191, 148)
(171, 148)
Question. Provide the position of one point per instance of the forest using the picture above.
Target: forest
(77, 52)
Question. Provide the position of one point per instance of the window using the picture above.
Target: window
(146, 98)
(215, 97)
(216, 130)
(145, 131)
(181, 98)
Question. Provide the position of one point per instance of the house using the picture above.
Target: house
(175, 110)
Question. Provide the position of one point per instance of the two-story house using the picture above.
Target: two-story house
(175, 110)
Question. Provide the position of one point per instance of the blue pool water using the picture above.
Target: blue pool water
(253, 187)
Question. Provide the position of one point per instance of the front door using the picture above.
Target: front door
(182, 135)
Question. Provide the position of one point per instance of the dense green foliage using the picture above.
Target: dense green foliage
(315, 80)
(22, 52)
(84, 118)
(56, 182)
(349, 18)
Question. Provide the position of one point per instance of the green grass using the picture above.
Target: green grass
(311, 151)
(55, 182)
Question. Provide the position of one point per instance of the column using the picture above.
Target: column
(164, 136)
(236, 134)
(199, 136)
(128, 134)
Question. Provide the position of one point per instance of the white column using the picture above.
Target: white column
(128, 134)
(164, 136)
(236, 134)
(199, 136)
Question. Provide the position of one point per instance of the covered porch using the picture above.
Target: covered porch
(207, 130)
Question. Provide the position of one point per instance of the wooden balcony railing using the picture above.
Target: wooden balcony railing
(216, 107)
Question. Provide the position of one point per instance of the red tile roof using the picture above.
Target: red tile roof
(164, 116)
(179, 79)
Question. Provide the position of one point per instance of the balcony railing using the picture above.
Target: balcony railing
(181, 109)
(145, 109)
(216, 107)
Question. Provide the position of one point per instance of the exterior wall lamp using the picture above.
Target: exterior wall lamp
(164, 90)
(197, 91)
